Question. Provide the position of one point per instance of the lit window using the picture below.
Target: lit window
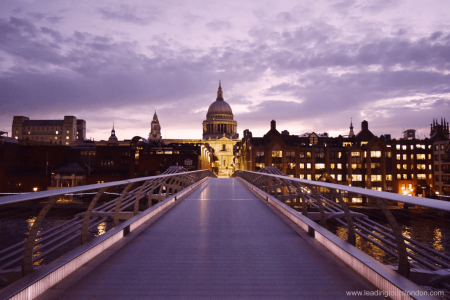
(397, 147)
(67, 137)
(320, 166)
(357, 200)
(302, 176)
(404, 147)
(56, 137)
(375, 153)
(430, 176)
(412, 147)
(339, 166)
(277, 153)
(302, 166)
(429, 167)
(317, 176)
(399, 166)
(421, 176)
(332, 166)
(420, 156)
(375, 177)
(17, 137)
(28, 132)
(355, 153)
(308, 154)
(404, 157)
(398, 156)
(389, 177)
(405, 167)
(67, 143)
(421, 167)
(339, 154)
(357, 177)
(399, 176)
(333, 176)
(405, 176)
(308, 166)
(354, 166)
(339, 177)
(308, 176)
(56, 131)
(388, 154)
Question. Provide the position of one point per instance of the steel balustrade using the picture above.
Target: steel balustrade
(23, 255)
(332, 205)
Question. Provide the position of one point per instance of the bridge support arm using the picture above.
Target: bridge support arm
(403, 264)
(87, 217)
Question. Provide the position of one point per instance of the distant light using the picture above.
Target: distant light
(35, 189)
(437, 193)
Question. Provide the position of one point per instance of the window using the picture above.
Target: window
(412, 147)
(332, 154)
(320, 166)
(442, 146)
(56, 137)
(405, 167)
(67, 137)
(429, 167)
(339, 154)
(399, 176)
(302, 176)
(354, 166)
(375, 177)
(308, 154)
(398, 167)
(404, 147)
(277, 153)
(290, 153)
(420, 156)
(56, 131)
(259, 153)
(421, 176)
(429, 156)
(405, 176)
(339, 177)
(308, 176)
(339, 166)
(436, 147)
(317, 176)
(421, 167)
(67, 131)
(375, 153)
(302, 166)
(398, 156)
(430, 176)
(301, 154)
(333, 176)
(332, 166)
(436, 178)
(355, 153)
(388, 154)
(397, 147)
(308, 165)
(389, 177)
(357, 177)
(375, 165)
(436, 157)
(404, 157)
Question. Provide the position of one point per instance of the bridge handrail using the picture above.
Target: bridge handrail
(413, 200)
(77, 189)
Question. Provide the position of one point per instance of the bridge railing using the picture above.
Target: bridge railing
(39, 227)
(324, 202)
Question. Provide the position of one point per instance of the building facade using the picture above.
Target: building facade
(68, 131)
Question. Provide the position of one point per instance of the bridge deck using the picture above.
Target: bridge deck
(219, 242)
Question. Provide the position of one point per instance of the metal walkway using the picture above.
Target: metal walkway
(219, 242)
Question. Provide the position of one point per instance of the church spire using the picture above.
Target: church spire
(219, 93)
(155, 129)
(351, 133)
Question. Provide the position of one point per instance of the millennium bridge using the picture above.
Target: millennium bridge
(182, 234)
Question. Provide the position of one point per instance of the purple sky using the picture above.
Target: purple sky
(310, 65)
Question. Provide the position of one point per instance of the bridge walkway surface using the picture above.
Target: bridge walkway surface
(221, 241)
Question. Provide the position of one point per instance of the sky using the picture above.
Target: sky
(309, 65)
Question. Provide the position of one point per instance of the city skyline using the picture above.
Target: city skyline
(310, 67)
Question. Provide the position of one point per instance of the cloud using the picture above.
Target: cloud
(217, 25)
(127, 14)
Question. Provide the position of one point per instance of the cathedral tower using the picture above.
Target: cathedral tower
(155, 129)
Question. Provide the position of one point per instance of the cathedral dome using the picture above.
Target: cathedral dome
(219, 108)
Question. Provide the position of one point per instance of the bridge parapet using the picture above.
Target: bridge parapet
(322, 202)
(126, 205)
